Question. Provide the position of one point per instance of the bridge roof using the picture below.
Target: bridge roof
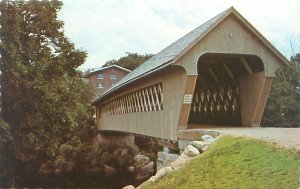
(174, 51)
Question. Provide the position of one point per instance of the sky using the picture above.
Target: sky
(107, 29)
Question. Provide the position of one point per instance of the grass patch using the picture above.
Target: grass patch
(237, 163)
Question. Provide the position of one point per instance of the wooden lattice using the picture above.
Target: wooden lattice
(216, 98)
(143, 100)
(216, 104)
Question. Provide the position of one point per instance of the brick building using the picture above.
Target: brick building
(103, 78)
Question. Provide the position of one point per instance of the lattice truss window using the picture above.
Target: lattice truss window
(143, 100)
(216, 98)
(216, 104)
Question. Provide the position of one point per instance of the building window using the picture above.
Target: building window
(100, 76)
(100, 85)
(113, 76)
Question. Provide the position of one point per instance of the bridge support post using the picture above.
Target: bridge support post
(186, 106)
(254, 90)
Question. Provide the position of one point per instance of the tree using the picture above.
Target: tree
(44, 99)
(283, 106)
(130, 61)
(6, 158)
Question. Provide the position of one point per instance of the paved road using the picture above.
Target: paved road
(288, 137)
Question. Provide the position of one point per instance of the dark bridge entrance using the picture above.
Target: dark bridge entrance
(216, 98)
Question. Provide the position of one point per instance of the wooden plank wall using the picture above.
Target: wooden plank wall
(160, 124)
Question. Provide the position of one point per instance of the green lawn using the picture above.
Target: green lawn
(233, 163)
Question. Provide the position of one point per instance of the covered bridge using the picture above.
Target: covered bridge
(219, 74)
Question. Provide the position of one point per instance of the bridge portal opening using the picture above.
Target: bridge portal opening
(219, 93)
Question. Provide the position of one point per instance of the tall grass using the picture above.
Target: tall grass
(238, 163)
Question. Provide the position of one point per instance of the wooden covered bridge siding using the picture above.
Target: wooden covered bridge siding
(137, 108)
(227, 71)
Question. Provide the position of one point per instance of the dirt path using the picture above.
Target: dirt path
(288, 137)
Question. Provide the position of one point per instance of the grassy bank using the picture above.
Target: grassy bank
(237, 163)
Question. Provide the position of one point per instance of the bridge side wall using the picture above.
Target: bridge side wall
(160, 124)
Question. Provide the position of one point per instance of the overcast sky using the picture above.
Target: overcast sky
(106, 29)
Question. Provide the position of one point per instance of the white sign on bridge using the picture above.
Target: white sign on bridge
(187, 99)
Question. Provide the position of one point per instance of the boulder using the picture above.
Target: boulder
(145, 183)
(180, 162)
(191, 151)
(171, 157)
(208, 138)
(152, 179)
(148, 167)
(140, 160)
(142, 173)
(183, 143)
(161, 173)
(128, 187)
(205, 148)
(200, 145)
(159, 164)
(161, 155)
(164, 159)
